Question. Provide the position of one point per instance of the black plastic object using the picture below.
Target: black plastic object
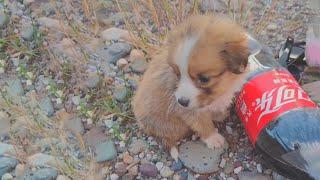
(292, 57)
(288, 134)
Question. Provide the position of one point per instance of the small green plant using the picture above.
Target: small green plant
(53, 89)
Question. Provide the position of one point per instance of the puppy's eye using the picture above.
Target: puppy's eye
(203, 79)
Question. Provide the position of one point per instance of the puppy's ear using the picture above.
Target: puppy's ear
(236, 54)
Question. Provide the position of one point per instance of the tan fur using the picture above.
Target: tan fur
(220, 53)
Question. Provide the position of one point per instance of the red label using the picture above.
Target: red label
(266, 96)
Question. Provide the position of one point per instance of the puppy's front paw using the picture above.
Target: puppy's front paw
(215, 140)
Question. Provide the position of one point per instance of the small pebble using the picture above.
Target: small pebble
(176, 166)
(134, 170)
(229, 130)
(127, 158)
(6, 176)
(237, 170)
(166, 172)
(159, 165)
(141, 155)
(223, 163)
(114, 177)
(259, 168)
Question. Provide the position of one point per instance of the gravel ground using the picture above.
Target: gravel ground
(66, 87)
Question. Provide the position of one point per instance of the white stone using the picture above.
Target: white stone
(114, 177)
(159, 165)
(6, 176)
(237, 170)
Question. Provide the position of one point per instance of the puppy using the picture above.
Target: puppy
(192, 81)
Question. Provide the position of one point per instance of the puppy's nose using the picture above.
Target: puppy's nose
(184, 101)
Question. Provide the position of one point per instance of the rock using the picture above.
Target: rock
(105, 151)
(245, 175)
(19, 170)
(166, 172)
(115, 34)
(61, 177)
(127, 158)
(313, 89)
(138, 61)
(121, 168)
(4, 18)
(27, 32)
(139, 66)
(114, 52)
(6, 149)
(114, 177)
(199, 158)
(41, 160)
(4, 124)
(141, 155)
(237, 170)
(137, 146)
(134, 170)
(94, 137)
(46, 106)
(121, 63)
(52, 24)
(43, 174)
(229, 168)
(7, 176)
(148, 170)
(229, 130)
(259, 168)
(76, 100)
(120, 93)
(176, 166)
(14, 88)
(136, 54)
(92, 80)
(128, 177)
(222, 163)
(184, 174)
(190, 177)
(7, 164)
(159, 165)
(75, 125)
(177, 177)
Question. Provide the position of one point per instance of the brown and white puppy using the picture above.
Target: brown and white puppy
(192, 81)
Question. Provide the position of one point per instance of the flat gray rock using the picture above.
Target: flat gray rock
(7, 164)
(42, 174)
(196, 156)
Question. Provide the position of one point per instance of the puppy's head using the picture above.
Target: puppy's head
(208, 54)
